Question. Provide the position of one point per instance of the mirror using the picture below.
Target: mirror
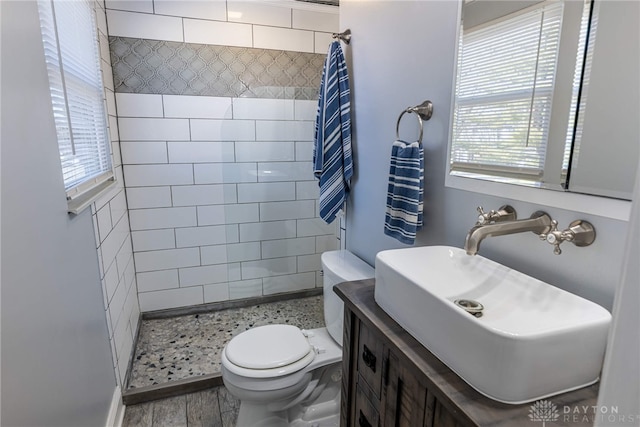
(547, 95)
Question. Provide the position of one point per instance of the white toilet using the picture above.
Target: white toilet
(285, 376)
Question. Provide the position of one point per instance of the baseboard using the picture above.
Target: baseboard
(116, 411)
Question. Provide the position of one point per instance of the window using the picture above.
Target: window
(73, 62)
(504, 92)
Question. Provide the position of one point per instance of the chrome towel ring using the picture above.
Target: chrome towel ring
(423, 112)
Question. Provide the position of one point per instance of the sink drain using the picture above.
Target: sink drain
(470, 306)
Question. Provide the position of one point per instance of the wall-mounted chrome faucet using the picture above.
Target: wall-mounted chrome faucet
(539, 223)
(503, 222)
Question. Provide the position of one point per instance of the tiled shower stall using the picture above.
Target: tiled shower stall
(215, 103)
(222, 199)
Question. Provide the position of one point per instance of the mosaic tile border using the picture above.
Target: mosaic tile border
(174, 68)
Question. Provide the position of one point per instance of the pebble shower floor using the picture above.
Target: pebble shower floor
(189, 346)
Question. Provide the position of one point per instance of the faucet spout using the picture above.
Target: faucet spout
(539, 223)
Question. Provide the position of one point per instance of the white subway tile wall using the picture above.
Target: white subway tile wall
(141, 152)
(314, 20)
(322, 42)
(146, 129)
(130, 5)
(255, 12)
(221, 195)
(300, 281)
(144, 26)
(191, 8)
(150, 240)
(283, 38)
(110, 213)
(264, 109)
(223, 130)
(233, 216)
(286, 26)
(196, 107)
(267, 230)
(149, 219)
(158, 280)
(245, 289)
(139, 106)
(217, 32)
(210, 173)
(304, 110)
(265, 151)
(149, 197)
(180, 297)
(266, 192)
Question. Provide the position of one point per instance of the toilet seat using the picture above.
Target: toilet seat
(268, 352)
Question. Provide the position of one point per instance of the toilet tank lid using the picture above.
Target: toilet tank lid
(268, 347)
(346, 265)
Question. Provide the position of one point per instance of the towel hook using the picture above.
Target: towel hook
(345, 36)
(423, 112)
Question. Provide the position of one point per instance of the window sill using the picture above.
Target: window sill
(593, 205)
(79, 204)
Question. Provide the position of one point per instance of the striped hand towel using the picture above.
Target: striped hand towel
(405, 192)
(332, 163)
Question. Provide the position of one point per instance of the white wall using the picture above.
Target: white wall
(223, 203)
(112, 233)
(620, 385)
(401, 53)
(56, 366)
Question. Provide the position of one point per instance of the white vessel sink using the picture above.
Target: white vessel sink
(532, 340)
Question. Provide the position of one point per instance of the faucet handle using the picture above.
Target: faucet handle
(554, 237)
(505, 213)
(580, 233)
(483, 217)
(548, 235)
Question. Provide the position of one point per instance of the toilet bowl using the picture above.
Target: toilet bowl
(285, 376)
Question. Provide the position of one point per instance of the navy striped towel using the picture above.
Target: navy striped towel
(332, 163)
(405, 192)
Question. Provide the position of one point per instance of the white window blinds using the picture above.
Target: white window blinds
(506, 73)
(77, 94)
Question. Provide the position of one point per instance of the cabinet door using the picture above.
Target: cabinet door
(406, 400)
(370, 357)
(362, 373)
(443, 418)
(366, 412)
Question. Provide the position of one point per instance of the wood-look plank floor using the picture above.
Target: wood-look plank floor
(209, 408)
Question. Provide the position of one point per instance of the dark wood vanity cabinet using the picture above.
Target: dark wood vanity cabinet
(385, 391)
(389, 379)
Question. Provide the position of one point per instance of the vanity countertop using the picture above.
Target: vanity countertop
(573, 408)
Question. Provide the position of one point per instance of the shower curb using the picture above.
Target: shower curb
(171, 389)
(223, 305)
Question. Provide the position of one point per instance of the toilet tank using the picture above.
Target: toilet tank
(340, 266)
